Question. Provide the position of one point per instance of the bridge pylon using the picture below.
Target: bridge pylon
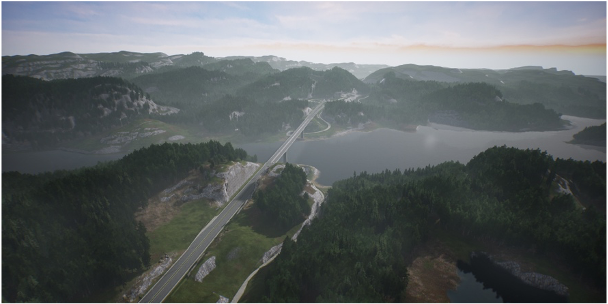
(284, 158)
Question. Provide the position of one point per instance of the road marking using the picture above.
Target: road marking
(189, 255)
(282, 149)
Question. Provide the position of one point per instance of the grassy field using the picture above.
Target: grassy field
(238, 252)
(177, 235)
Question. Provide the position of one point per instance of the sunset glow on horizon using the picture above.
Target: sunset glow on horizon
(497, 35)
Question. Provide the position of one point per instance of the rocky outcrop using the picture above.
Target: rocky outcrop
(533, 279)
(205, 269)
(233, 179)
(213, 192)
(318, 197)
(140, 288)
(275, 250)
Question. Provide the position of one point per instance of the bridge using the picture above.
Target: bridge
(195, 251)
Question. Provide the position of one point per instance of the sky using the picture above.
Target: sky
(495, 35)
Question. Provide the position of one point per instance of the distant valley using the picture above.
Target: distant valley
(407, 176)
(232, 98)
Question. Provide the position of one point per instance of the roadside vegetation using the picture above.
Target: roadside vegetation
(239, 249)
(372, 224)
(69, 235)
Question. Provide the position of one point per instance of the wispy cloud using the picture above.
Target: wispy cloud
(236, 5)
(333, 27)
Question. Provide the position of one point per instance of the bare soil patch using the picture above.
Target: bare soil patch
(432, 274)
(163, 207)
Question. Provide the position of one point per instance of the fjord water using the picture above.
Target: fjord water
(48, 161)
(374, 151)
(338, 157)
(469, 290)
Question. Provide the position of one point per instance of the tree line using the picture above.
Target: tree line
(281, 202)
(69, 234)
(359, 247)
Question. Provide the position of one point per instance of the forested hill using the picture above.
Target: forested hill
(241, 67)
(69, 234)
(302, 83)
(595, 135)
(190, 87)
(45, 113)
(482, 106)
(562, 91)
(117, 64)
(132, 64)
(478, 106)
(282, 202)
(193, 86)
(370, 224)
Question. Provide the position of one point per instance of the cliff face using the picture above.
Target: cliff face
(232, 180)
(236, 176)
(48, 113)
(533, 279)
(68, 65)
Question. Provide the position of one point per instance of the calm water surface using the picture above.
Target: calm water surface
(469, 290)
(338, 157)
(43, 161)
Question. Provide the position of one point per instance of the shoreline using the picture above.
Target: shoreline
(364, 128)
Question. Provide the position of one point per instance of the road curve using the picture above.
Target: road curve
(188, 259)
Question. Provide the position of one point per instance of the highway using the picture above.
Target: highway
(195, 251)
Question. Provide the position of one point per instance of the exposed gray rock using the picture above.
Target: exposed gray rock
(140, 289)
(213, 192)
(318, 197)
(223, 300)
(534, 279)
(177, 186)
(236, 176)
(166, 198)
(272, 252)
(205, 269)
(233, 178)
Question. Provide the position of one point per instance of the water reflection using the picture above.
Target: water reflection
(373, 152)
(499, 282)
(382, 149)
(471, 291)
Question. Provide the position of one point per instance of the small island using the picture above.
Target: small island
(594, 136)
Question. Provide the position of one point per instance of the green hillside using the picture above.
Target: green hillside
(46, 113)
(562, 91)
(372, 225)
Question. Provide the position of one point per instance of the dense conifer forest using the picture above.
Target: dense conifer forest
(281, 202)
(69, 234)
(358, 250)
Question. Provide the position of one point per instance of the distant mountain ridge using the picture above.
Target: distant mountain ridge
(562, 91)
(306, 83)
(119, 64)
(132, 64)
(245, 91)
(358, 70)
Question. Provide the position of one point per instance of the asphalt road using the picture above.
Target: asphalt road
(186, 261)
